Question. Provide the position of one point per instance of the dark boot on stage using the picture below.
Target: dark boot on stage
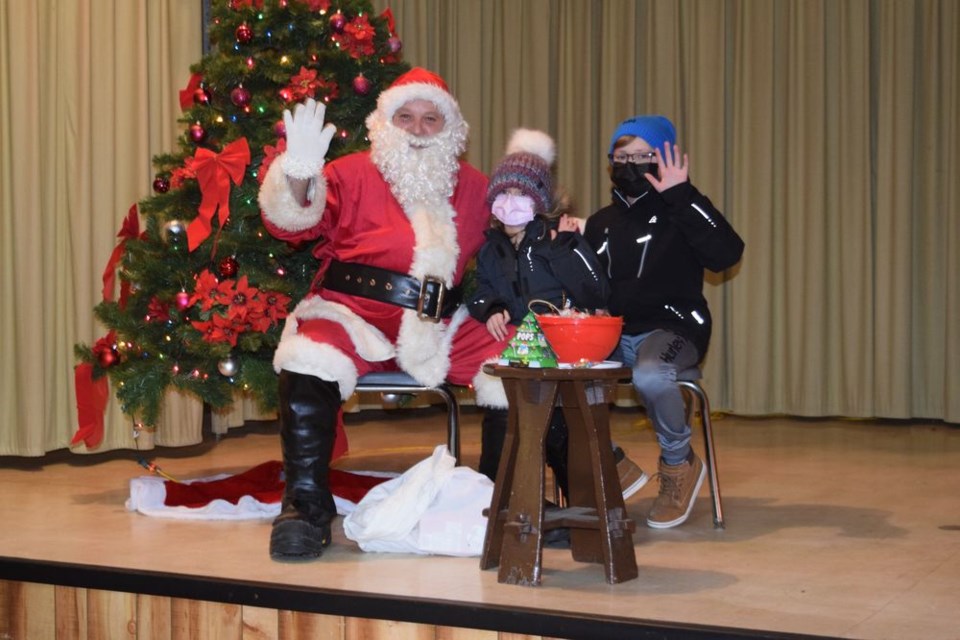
(555, 450)
(308, 420)
(493, 431)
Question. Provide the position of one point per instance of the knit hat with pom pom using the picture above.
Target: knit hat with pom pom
(526, 167)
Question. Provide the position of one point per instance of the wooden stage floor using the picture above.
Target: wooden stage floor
(835, 528)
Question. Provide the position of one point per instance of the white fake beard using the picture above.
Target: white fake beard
(419, 170)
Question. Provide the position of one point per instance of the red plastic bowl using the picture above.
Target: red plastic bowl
(581, 339)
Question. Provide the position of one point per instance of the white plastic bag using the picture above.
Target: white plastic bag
(433, 508)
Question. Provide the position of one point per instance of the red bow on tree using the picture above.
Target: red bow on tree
(186, 94)
(129, 230)
(214, 173)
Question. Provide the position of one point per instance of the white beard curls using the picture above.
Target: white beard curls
(419, 170)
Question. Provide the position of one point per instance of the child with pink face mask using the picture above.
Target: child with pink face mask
(533, 251)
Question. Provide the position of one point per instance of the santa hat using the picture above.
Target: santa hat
(420, 84)
(654, 129)
(526, 167)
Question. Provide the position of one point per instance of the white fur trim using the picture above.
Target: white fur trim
(489, 389)
(532, 141)
(282, 209)
(423, 347)
(436, 251)
(302, 355)
(370, 343)
(296, 168)
(395, 97)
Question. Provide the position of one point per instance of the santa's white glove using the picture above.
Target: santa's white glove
(307, 139)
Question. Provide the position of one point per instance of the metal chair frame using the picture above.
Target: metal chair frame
(696, 401)
(400, 382)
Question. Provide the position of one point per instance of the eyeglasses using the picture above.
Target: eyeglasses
(633, 158)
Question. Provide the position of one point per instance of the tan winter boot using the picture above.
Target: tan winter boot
(679, 485)
(632, 477)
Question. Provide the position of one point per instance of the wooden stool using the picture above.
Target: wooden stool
(600, 530)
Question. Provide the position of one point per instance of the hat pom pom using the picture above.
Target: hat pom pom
(532, 141)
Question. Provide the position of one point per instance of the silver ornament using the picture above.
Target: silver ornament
(173, 230)
(228, 367)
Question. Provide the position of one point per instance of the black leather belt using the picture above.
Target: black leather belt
(430, 298)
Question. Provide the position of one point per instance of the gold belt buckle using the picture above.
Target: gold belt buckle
(441, 292)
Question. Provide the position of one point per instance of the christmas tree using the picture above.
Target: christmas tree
(203, 288)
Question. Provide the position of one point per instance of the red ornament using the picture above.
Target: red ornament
(108, 357)
(197, 133)
(361, 85)
(337, 22)
(161, 185)
(228, 267)
(182, 300)
(244, 34)
(202, 96)
(280, 129)
(395, 44)
(240, 97)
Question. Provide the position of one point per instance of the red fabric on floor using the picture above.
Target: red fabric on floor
(264, 483)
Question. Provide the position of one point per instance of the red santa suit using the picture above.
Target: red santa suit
(363, 214)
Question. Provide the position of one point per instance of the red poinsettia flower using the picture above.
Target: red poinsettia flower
(180, 174)
(157, 311)
(276, 307)
(360, 29)
(257, 318)
(360, 34)
(242, 299)
(218, 329)
(303, 85)
(232, 307)
(236, 5)
(206, 290)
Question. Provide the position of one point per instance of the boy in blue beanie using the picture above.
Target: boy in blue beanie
(654, 241)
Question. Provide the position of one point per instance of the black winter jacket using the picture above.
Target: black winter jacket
(540, 268)
(654, 254)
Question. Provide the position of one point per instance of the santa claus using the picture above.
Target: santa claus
(395, 227)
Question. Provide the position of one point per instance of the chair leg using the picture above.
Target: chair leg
(453, 419)
(445, 391)
(699, 398)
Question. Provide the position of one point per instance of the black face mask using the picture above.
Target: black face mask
(628, 177)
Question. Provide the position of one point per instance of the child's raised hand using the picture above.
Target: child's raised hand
(568, 223)
(674, 169)
(497, 325)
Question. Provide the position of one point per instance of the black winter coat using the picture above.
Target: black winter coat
(654, 254)
(540, 268)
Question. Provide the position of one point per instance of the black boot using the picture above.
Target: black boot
(555, 449)
(308, 420)
(493, 431)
